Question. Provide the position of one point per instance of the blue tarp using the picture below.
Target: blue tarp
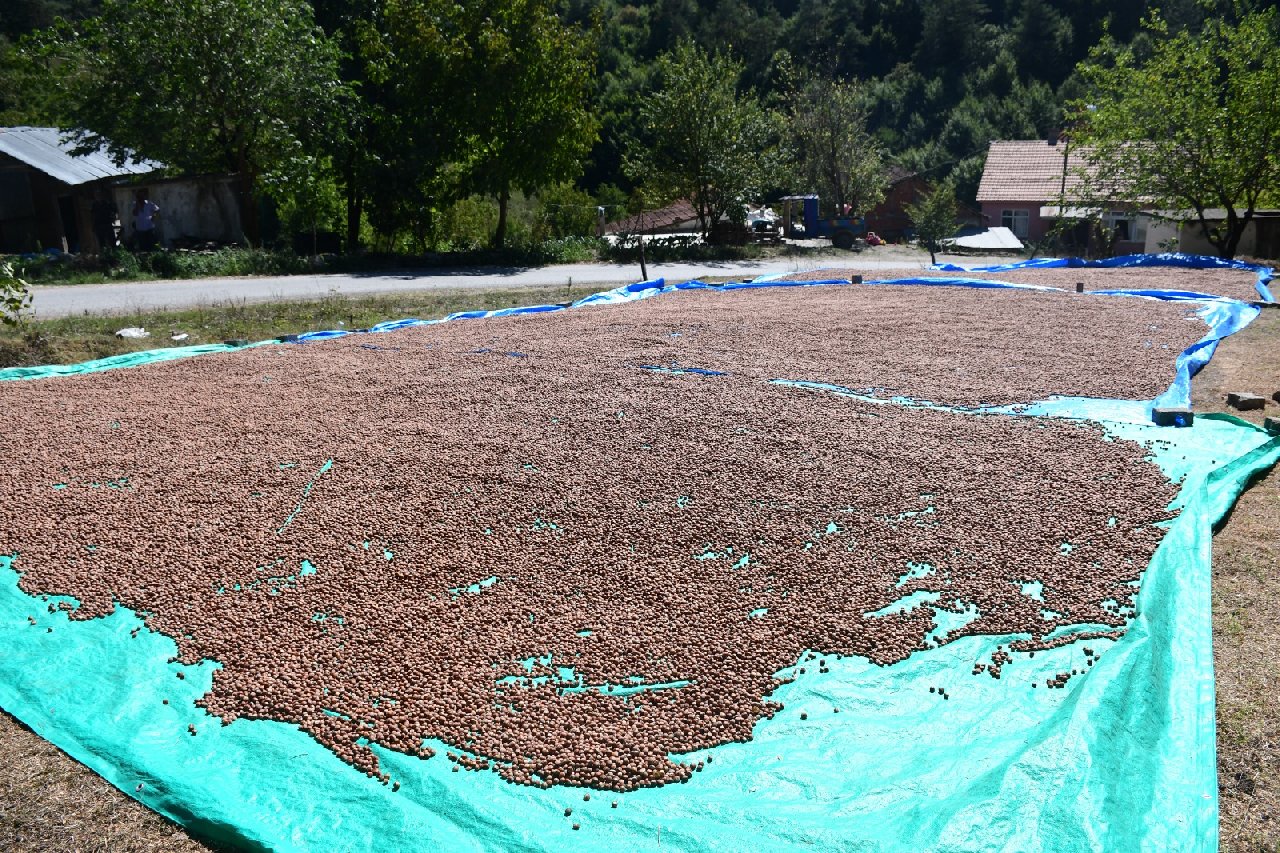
(1167, 259)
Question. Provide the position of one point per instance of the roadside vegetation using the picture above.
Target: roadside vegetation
(69, 340)
(122, 265)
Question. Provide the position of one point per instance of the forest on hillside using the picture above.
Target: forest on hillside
(415, 142)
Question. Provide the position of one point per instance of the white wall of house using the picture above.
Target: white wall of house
(1188, 237)
(1193, 241)
(1161, 234)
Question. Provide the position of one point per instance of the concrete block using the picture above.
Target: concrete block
(1245, 402)
(1272, 425)
(1175, 416)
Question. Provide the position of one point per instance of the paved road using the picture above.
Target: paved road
(64, 300)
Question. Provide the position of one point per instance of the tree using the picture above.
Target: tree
(411, 52)
(838, 157)
(482, 98)
(934, 218)
(1194, 125)
(1042, 41)
(208, 86)
(527, 118)
(702, 140)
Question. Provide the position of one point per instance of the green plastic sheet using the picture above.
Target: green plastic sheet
(114, 362)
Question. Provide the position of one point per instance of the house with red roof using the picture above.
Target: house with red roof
(1028, 186)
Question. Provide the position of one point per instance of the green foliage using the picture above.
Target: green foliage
(617, 203)
(399, 108)
(1193, 125)
(207, 86)
(525, 89)
(14, 295)
(566, 211)
(29, 93)
(469, 224)
(679, 247)
(703, 140)
(934, 218)
(308, 200)
(838, 157)
(489, 98)
(122, 265)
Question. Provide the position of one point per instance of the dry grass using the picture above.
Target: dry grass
(70, 340)
(48, 802)
(1246, 608)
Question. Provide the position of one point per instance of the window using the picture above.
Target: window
(1017, 221)
(1122, 225)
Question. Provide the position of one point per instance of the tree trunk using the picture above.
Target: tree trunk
(1227, 242)
(1235, 231)
(500, 235)
(248, 203)
(355, 206)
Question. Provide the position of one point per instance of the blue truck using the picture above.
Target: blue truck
(843, 231)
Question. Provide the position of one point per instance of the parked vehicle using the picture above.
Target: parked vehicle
(843, 231)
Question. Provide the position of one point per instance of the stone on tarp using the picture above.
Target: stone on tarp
(1176, 416)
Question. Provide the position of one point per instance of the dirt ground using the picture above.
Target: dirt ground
(49, 802)
(1246, 606)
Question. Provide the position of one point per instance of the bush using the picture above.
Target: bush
(122, 265)
(14, 295)
(679, 247)
(566, 211)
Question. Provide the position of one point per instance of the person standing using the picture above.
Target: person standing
(145, 212)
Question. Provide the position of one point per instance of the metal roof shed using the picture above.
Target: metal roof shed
(50, 150)
(44, 194)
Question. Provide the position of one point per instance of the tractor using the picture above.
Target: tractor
(844, 231)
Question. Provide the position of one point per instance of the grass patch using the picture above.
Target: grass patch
(68, 340)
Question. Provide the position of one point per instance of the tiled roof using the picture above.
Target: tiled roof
(1028, 170)
(654, 220)
(897, 174)
(48, 149)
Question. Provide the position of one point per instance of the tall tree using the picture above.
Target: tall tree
(207, 86)
(954, 38)
(527, 118)
(838, 157)
(354, 156)
(1042, 41)
(411, 50)
(703, 140)
(1192, 126)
